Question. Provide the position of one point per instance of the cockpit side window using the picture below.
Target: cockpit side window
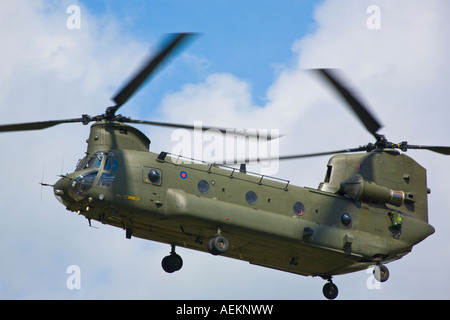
(106, 180)
(111, 164)
(110, 167)
(81, 164)
(101, 160)
(95, 161)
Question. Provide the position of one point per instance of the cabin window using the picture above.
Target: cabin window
(251, 197)
(298, 208)
(154, 176)
(346, 219)
(203, 186)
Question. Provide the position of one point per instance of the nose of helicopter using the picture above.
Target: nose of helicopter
(74, 189)
(60, 190)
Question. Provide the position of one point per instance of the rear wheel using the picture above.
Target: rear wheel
(330, 290)
(217, 245)
(381, 273)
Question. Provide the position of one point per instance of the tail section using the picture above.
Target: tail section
(380, 177)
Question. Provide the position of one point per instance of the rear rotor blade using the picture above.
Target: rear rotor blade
(37, 125)
(318, 154)
(369, 121)
(123, 95)
(296, 156)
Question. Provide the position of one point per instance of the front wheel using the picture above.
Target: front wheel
(172, 263)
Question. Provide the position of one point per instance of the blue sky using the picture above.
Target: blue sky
(246, 69)
(248, 39)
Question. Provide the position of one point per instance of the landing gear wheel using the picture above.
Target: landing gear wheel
(172, 263)
(381, 273)
(217, 245)
(330, 290)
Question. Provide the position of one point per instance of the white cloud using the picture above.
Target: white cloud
(221, 95)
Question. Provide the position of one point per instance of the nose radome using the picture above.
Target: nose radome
(74, 189)
(60, 190)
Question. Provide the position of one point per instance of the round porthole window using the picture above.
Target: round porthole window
(203, 186)
(346, 219)
(154, 176)
(298, 208)
(251, 197)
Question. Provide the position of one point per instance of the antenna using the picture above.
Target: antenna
(42, 181)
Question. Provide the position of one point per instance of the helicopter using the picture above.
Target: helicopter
(370, 209)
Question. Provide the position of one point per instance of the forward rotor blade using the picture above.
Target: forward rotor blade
(438, 149)
(296, 156)
(228, 131)
(36, 125)
(148, 69)
(369, 121)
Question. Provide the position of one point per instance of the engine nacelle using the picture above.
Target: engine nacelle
(369, 192)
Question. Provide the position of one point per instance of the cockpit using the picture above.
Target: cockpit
(80, 186)
(96, 161)
(103, 167)
(93, 162)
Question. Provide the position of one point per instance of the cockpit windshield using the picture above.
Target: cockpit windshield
(94, 162)
(103, 162)
(79, 188)
(111, 164)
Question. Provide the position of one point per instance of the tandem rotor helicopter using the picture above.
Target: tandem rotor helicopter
(370, 209)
